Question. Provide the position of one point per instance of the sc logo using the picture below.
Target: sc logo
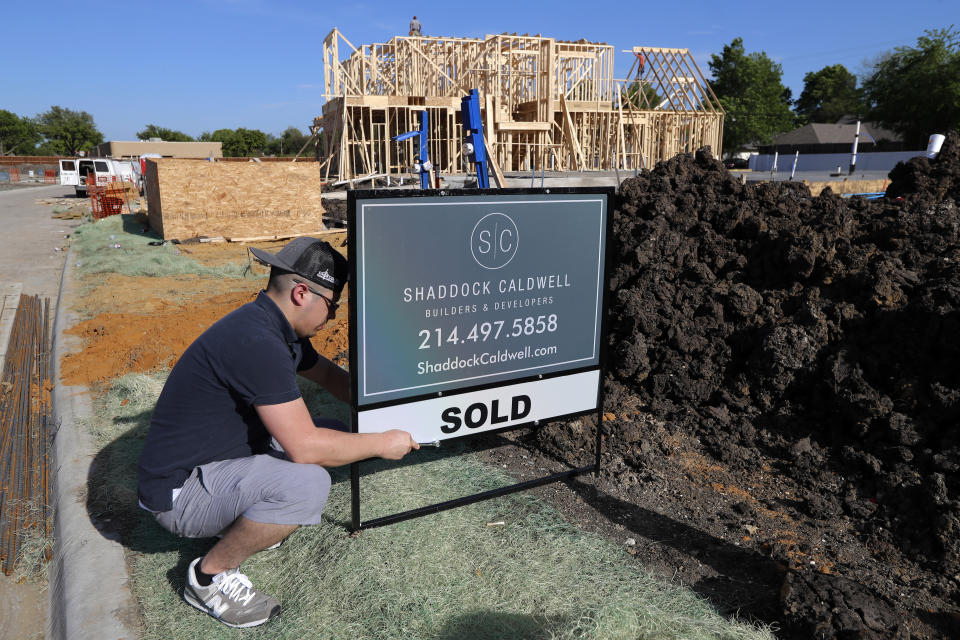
(494, 241)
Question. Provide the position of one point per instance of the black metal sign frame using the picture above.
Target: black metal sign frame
(354, 251)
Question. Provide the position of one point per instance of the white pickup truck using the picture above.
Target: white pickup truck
(79, 172)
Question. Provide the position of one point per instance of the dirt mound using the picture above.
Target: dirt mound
(930, 180)
(821, 333)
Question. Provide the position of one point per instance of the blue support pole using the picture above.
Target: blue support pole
(473, 128)
(425, 165)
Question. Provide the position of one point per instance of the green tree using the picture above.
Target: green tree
(750, 90)
(291, 141)
(241, 142)
(641, 94)
(167, 135)
(51, 148)
(223, 136)
(220, 135)
(915, 91)
(18, 136)
(66, 131)
(828, 95)
(287, 144)
(273, 145)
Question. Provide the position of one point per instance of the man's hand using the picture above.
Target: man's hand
(396, 444)
(290, 423)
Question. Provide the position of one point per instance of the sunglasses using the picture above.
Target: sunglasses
(331, 305)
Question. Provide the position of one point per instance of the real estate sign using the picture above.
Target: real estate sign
(472, 312)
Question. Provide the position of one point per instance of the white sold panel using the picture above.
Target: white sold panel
(469, 413)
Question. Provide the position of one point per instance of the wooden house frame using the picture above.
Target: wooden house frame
(547, 104)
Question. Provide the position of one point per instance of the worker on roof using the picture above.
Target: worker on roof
(414, 27)
(232, 450)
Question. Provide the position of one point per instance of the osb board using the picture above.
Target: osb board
(191, 198)
(848, 186)
(152, 192)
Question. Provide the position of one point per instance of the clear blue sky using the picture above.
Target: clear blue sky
(209, 64)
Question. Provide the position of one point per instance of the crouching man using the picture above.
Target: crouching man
(232, 450)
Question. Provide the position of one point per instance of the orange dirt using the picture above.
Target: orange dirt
(213, 254)
(117, 342)
(113, 293)
(143, 324)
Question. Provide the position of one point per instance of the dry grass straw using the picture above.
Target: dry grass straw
(118, 425)
(34, 546)
(96, 250)
(443, 576)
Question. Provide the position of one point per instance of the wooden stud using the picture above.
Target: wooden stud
(541, 95)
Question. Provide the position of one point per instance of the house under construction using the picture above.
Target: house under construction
(547, 104)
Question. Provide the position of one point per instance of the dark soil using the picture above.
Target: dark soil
(783, 398)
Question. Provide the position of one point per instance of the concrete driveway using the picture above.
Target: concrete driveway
(29, 239)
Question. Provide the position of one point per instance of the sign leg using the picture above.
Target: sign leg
(355, 496)
(596, 467)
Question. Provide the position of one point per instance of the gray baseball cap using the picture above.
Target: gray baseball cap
(311, 259)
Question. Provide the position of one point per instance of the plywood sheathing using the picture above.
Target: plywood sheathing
(196, 198)
(546, 104)
(846, 186)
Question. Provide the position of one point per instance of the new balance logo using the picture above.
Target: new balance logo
(217, 605)
(325, 275)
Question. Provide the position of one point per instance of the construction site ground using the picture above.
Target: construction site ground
(170, 311)
(730, 528)
(141, 324)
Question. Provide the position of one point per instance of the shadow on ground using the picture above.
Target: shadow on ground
(483, 624)
(739, 570)
(112, 502)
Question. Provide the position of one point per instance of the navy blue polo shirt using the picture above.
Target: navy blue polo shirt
(206, 410)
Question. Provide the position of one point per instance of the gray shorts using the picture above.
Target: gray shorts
(264, 488)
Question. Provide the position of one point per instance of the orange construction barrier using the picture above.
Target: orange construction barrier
(106, 198)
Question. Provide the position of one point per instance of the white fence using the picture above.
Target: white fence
(873, 161)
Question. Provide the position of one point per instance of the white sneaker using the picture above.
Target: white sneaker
(230, 598)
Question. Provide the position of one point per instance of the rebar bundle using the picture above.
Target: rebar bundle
(26, 431)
